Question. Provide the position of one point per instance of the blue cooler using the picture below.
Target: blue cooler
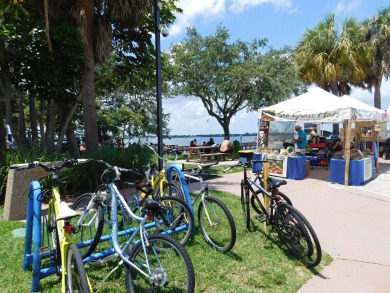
(257, 166)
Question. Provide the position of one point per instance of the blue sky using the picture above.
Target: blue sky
(282, 22)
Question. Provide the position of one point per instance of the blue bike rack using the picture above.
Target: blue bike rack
(183, 182)
(33, 238)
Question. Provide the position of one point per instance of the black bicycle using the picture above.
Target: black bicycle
(293, 228)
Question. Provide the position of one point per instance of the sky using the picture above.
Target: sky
(282, 22)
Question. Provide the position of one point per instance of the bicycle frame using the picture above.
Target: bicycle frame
(140, 230)
(63, 235)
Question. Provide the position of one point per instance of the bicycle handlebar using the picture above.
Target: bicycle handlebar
(158, 156)
(116, 169)
(245, 164)
(51, 166)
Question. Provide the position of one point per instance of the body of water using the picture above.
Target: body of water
(185, 141)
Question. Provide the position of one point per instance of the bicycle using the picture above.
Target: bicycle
(177, 220)
(158, 180)
(293, 229)
(152, 261)
(215, 220)
(63, 252)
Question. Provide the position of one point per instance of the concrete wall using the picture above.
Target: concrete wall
(15, 205)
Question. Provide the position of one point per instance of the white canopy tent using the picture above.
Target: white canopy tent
(319, 106)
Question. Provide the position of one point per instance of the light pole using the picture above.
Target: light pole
(160, 148)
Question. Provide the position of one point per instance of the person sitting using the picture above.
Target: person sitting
(227, 147)
(209, 143)
(337, 146)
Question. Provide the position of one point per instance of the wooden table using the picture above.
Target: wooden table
(199, 151)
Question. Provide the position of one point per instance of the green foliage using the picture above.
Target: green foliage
(82, 178)
(86, 177)
(230, 76)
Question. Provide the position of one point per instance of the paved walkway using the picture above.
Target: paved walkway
(352, 223)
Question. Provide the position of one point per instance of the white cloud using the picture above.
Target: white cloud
(238, 6)
(196, 10)
(347, 6)
(209, 10)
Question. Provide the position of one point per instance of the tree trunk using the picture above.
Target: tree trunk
(335, 91)
(42, 123)
(73, 147)
(377, 93)
(21, 120)
(33, 122)
(50, 125)
(3, 134)
(89, 103)
(65, 125)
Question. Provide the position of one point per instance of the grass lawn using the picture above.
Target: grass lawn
(257, 263)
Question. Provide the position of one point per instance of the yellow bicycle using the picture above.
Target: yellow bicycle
(64, 257)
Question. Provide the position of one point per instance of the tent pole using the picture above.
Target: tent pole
(347, 147)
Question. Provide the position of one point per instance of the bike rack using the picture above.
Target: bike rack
(184, 186)
(35, 226)
(33, 238)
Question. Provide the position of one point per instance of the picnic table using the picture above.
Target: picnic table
(201, 153)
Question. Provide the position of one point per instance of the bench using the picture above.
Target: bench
(215, 155)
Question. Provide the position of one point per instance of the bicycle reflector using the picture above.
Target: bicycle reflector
(68, 228)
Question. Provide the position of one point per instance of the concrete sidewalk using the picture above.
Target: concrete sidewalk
(352, 224)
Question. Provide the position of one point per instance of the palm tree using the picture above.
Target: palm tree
(333, 60)
(378, 34)
(96, 20)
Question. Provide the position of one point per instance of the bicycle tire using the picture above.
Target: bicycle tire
(171, 190)
(76, 277)
(55, 240)
(245, 205)
(221, 232)
(170, 264)
(178, 214)
(91, 232)
(260, 198)
(298, 235)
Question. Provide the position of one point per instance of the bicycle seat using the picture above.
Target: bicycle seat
(275, 183)
(152, 206)
(66, 213)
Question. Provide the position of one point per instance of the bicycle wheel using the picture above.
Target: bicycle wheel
(177, 220)
(216, 224)
(170, 267)
(245, 205)
(91, 228)
(55, 242)
(76, 278)
(171, 190)
(297, 234)
(259, 197)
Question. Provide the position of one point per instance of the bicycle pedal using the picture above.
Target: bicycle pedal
(261, 218)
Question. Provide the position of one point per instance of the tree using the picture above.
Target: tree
(230, 76)
(378, 35)
(332, 60)
(104, 24)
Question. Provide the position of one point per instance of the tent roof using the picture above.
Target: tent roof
(318, 106)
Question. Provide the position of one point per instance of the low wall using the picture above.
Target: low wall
(15, 205)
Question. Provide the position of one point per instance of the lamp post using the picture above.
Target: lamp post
(160, 148)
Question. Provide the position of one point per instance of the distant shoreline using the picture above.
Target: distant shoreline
(204, 135)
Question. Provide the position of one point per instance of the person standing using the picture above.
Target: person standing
(300, 140)
(312, 135)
